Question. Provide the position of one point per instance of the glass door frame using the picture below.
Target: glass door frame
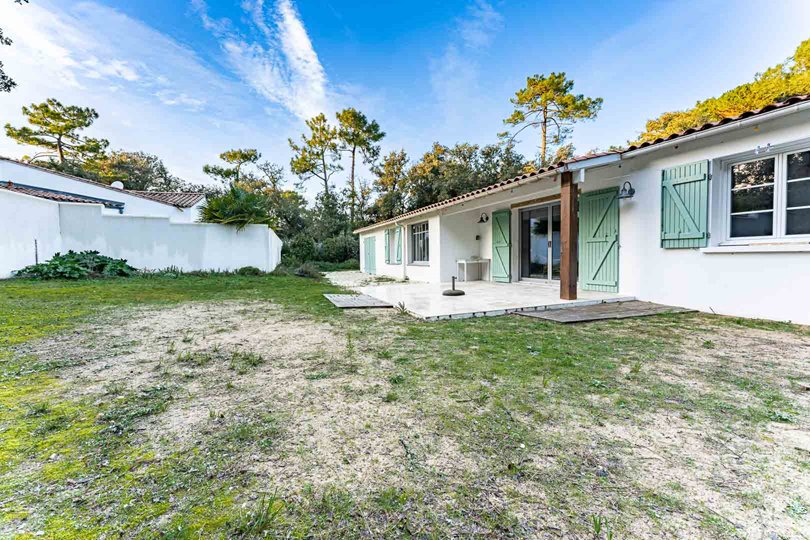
(550, 234)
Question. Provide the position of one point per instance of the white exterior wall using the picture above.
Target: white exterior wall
(146, 242)
(721, 279)
(415, 272)
(769, 285)
(134, 205)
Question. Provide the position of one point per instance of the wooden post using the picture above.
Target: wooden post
(569, 231)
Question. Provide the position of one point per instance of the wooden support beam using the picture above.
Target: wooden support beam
(569, 231)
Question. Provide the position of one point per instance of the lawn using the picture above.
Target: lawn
(249, 407)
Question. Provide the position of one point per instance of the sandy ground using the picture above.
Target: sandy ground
(326, 389)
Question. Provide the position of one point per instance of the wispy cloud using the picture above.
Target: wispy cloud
(454, 75)
(480, 25)
(145, 85)
(283, 65)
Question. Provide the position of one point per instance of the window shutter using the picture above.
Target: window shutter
(398, 245)
(387, 246)
(685, 206)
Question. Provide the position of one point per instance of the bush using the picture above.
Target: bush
(338, 249)
(237, 207)
(351, 264)
(74, 265)
(249, 271)
(308, 270)
(301, 248)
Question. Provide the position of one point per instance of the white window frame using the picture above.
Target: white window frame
(412, 242)
(779, 155)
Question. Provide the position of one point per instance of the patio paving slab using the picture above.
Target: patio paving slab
(603, 311)
(481, 299)
(356, 301)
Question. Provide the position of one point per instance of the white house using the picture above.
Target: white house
(715, 218)
(43, 212)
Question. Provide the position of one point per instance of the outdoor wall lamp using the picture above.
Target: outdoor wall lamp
(484, 218)
(627, 191)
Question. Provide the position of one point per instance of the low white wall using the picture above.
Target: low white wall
(18, 173)
(145, 242)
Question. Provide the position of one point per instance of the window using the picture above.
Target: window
(420, 243)
(798, 193)
(770, 197)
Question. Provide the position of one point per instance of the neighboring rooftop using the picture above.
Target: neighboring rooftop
(58, 196)
(179, 199)
(795, 100)
(159, 197)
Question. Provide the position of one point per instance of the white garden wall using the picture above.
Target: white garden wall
(146, 242)
(24, 219)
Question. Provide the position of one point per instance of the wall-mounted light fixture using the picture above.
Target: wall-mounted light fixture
(484, 218)
(627, 191)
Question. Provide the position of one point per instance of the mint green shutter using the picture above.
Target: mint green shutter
(369, 255)
(685, 206)
(398, 245)
(599, 240)
(387, 248)
(501, 246)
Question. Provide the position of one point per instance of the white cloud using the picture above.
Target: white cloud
(151, 92)
(283, 66)
(454, 76)
(480, 26)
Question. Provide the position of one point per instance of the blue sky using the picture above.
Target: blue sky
(188, 79)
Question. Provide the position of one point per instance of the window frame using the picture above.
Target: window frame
(412, 240)
(780, 185)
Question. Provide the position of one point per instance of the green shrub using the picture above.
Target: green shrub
(351, 264)
(237, 207)
(340, 248)
(308, 270)
(249, 271)
(79, 265)
(301, 248)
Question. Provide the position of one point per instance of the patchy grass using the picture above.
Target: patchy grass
(383, 426)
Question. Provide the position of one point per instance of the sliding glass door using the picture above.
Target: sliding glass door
(540, 242)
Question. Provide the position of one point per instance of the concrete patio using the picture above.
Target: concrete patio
(482, 298)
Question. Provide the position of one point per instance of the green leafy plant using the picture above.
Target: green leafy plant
(73, 265)
(249, 271)
(308, 270)
(239, 208)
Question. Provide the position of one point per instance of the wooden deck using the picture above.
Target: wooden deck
(604, 311)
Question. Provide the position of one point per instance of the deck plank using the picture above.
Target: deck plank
(603, 311)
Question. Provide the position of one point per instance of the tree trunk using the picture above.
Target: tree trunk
(352, 189)
(60, 150)
(325, 174)
(543, 131)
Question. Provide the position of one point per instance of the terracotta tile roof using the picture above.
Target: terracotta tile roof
(481, 191)
(174, 198)
(494, 187)
(49, 195)
(723, 121)
(141, 194)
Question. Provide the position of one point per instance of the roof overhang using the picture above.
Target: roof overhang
(115, 205)
(581, 164)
